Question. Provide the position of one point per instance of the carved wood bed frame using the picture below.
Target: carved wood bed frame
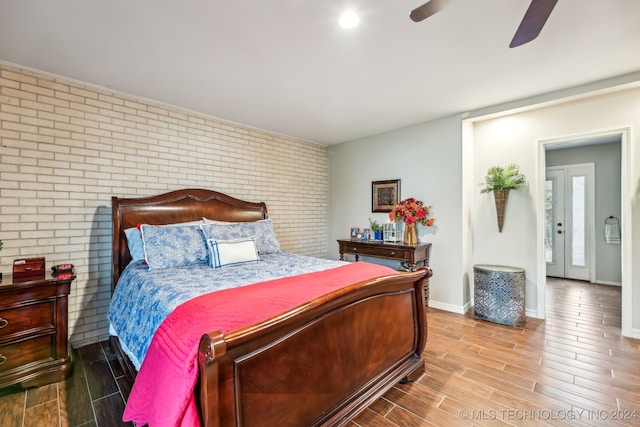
(371, 335)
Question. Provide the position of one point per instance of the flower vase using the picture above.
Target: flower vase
(410, 235)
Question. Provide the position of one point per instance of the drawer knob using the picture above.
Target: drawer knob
(355, 249)
(3, 358)
(3, 322)
(393, 253)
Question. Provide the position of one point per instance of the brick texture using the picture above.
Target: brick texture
(67, 147)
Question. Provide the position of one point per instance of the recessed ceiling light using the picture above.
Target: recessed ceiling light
(349, 20)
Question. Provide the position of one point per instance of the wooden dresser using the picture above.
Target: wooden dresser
(34, 347)
(412, 255)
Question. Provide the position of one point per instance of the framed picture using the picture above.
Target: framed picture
(366, 234)
(384, 195)
(354, 232)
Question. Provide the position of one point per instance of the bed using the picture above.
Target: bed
(319, 363)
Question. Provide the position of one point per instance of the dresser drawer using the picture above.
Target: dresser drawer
(26, 317)
(394, 254)
(14, 355)
(28, 294)
(377, 252)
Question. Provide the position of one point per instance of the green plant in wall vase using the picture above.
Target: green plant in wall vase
(499, 181)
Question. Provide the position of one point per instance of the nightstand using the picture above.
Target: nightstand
(34, 343)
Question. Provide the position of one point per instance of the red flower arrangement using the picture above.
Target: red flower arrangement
(412, 211)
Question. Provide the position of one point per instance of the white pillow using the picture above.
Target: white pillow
(231, 252)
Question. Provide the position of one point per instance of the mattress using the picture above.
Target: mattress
(144, 297)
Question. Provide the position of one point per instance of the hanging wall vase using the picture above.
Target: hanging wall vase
(500, 180)
(501, 197)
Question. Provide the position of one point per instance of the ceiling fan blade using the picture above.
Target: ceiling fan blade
(431, 7)
(533, 21)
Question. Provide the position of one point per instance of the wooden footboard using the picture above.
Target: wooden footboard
(320, 364)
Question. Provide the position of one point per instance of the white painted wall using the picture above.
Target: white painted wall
(500, 142)
(427, 160)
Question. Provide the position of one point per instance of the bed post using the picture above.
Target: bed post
(212, 347)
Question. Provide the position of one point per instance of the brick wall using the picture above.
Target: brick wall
(67, 147)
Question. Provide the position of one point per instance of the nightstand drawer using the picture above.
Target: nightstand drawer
(30, 350)
(26, 294)
(26, 318)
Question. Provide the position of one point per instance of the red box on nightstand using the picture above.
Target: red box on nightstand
(28, 267)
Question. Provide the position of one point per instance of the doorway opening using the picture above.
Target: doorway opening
(593, 192)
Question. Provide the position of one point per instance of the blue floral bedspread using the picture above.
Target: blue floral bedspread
(144, 298)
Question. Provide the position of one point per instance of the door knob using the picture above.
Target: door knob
(559, 224)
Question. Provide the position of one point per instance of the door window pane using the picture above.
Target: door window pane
(548, 220)
(578, 214)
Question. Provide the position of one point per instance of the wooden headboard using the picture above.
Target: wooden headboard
(176, 206)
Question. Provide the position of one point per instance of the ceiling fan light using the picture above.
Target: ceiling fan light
(349, 20)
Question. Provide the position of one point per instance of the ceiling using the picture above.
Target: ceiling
(286, 66)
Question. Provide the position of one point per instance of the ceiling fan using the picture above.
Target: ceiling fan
(531, 25)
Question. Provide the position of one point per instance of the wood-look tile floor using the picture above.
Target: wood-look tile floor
(93, 395)
(574, 368)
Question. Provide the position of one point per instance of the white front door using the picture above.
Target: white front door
(569, 221)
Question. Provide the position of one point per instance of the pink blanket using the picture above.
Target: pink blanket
(163, 394)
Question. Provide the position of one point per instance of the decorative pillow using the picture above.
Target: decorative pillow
(266, 240)
(231, 252)
(169, 246)
(134, 242)
(134, 239)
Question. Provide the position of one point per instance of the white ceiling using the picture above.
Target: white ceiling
(286, 66)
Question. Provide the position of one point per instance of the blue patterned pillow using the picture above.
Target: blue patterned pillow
(134, 242)
(230, 252)
(169, 246)
(266, 240)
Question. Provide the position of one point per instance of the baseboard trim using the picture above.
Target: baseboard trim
(606, 282)
(449, 307)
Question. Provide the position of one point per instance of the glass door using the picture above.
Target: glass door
(569, 213)
(554, 222)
